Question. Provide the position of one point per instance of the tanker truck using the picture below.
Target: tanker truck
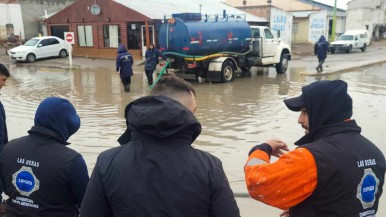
(219, 49)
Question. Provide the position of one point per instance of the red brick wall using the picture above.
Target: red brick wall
(79, 14)
(98, 50)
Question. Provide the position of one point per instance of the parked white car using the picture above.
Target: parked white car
(39, 47)
(353, 39)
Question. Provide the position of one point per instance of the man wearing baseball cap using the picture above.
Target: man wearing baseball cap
(335, 171)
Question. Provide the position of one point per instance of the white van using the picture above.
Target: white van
(353, 39)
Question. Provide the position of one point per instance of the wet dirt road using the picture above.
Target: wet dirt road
(234, 116)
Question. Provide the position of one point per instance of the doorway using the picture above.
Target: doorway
(143, 36)
(59, 31)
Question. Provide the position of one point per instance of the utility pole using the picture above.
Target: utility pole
(333, 24)
(269, 12)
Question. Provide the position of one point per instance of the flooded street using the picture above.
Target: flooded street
(235, 116)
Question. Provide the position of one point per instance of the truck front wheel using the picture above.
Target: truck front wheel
(349, 49)
(282, 66)
(227, 72)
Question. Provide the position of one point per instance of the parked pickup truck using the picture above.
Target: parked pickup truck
(352, 39)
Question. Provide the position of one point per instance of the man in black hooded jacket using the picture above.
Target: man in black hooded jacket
(158, 173)
(41, 176)
(335, 171)
(321, 50)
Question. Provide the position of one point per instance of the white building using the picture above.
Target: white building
(310, 19)
(281, 24)
(11, 14)
(366, 14)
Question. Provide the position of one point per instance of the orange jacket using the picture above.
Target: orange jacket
(284, 183)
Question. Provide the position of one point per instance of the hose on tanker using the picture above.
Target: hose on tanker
(180, 54)
(160, 75)
(236, 53)
(202, 58)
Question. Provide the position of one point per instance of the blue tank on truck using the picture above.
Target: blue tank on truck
(205, 37)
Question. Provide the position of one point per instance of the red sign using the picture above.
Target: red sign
(69, 37)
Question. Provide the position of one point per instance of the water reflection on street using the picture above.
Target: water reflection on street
(235, 116)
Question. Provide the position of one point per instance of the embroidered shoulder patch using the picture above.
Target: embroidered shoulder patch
(368, 188)
(25, 181)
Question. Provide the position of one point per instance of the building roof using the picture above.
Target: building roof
(301, 14)
(304, 14)
(321, 5)
(9, 2)
(158, 9)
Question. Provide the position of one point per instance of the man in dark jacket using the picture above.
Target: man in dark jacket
(41, 176)
(158, 173)
(124, 66)
(4, 75)
(321, 50)
(335, 171)
(151, 60)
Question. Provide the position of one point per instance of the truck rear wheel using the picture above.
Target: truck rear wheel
(282, 66)
(227, 72)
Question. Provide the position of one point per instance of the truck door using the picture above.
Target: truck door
(356, 42)
(270, 44)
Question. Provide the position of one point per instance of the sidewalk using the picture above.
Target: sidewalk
(339, 62)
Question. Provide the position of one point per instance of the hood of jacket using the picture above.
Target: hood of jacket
(322, 39)
(326, 102)
(160, 118)
(59, 116)
(122, 49)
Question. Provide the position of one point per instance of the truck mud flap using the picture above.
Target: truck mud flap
(214, 76)
(185, 76)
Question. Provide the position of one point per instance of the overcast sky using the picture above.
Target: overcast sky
(339, 3)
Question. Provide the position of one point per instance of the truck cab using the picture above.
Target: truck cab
(271, 50)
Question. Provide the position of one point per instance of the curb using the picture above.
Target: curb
(345, 68)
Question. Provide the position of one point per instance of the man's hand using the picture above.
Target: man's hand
(2, 209)
(285, 214)
(277, 146)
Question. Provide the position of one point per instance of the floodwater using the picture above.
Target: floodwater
(235, 116)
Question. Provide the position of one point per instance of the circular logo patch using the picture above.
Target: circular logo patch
(368, 188)
(25, 181)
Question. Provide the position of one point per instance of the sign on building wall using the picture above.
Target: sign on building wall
(281, 23)
(317, 26)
